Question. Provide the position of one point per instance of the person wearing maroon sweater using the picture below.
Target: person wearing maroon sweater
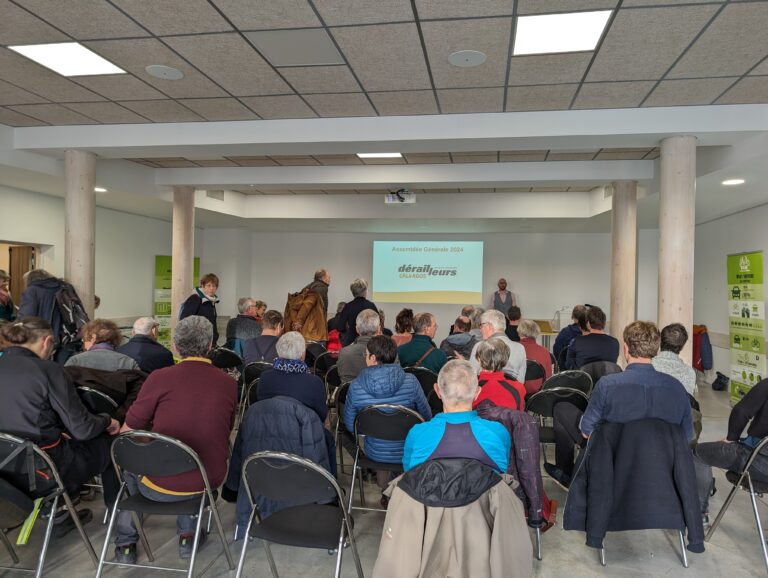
(495, 386)
(529, 331)
(195, 403)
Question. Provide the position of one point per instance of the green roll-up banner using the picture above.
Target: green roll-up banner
(162, 298)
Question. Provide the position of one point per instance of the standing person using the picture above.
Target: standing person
(203, 302)
(513, 320)
(144, 348)
(7, 308)
(307, 311)
(502, 299)
(348, 315)
(403, 327)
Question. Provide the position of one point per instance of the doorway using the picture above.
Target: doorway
(17, 260)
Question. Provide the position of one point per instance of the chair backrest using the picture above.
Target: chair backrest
(386, 421)
(534, 370)
(427, 378)
(332, 379)
(314, 350)
(435, 403)
(555, 365)
(324, 362)
(253, 391)
(97, 401)
(598, 369)
(544, 401)
(571, 379)
(224, 358)
(254, 370)
(30, 466)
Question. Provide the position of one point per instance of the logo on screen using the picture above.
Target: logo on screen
(424, 271)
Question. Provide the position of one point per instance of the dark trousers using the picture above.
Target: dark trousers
(566, 419)
(79, 461)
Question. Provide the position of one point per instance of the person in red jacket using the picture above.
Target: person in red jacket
(528, 331)
(495, 386)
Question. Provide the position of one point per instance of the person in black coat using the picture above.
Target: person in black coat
(203, 302)
(348, 315)
(144, 348)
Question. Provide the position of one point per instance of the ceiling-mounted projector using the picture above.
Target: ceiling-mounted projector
(401, 196)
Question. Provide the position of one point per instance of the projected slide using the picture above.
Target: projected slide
(428, 272)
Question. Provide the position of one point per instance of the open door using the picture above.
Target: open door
(22, 259)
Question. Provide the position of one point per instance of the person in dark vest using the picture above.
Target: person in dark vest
(502, 299)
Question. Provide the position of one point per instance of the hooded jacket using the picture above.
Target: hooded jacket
(384, 384)
(454, 517)
(200, 304)
(461, 342)
(39, 300)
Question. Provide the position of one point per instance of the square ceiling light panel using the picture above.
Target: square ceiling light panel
(68, 59)
(549, 33)
(306, 47)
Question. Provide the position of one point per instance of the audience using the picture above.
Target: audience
(203, 302)
(348, 315)
(307, 311)
(529, 331)
(467, 312)
(596, 345)
(352, 358)
(492, 355)
(333, 322)
(570, 332)
(101, 338)
(421, 351)
(195, 403)
(263, 347)
(476, 316)
(144, 348)
(244, 326)
(492, 324)
(513, 320)
(384, 330)
(7, 308)
(403, 327)
(460, 341)
(673, 338)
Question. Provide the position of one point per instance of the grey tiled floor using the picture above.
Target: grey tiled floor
(734, 550)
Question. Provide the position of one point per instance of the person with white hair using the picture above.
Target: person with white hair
(492, 324)
(458, 432)
(144, 348)
(352, 357)
(245, 326)
(348, 316)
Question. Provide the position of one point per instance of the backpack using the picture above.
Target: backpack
(721, 382)
(73, 315)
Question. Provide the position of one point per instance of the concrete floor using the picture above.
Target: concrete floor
(733, 551)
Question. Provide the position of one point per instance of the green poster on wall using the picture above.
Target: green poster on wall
(746, 322)
(162, 296)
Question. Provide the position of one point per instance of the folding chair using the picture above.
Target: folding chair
(743, 480)
(97, 401)
(332, 381)
(251, 373)
(324, 362)
(151, 454)
(571, 379)
(427, 378)
(344, 439)
(555, 365)
(542, 404)
(382, 421)
(598, 369)
(30, 470)
(314, 350)
(225, 359)
(534, 376)
(316, 518)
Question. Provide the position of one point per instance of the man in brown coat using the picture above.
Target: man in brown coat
(307, 311)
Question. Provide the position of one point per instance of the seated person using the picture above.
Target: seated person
(572, 331)
(639, 392)
(492, 355)
(597, 345)
(513, 320)
(529, 331)
(673, 339)
(492, 325)
(143, 347)
(460, 340)
(262, 348)
(38, 402)
(122, 386)
(458, 432)
(421, 351)
(466, 311)
(348, 316)
(101, 338)
(475, 318)
(383, 381)
(384, 330)
(195, 403)
(243, 327)
(403, 327)
(352, 357)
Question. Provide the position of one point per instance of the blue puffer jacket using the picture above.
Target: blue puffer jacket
(384, 384)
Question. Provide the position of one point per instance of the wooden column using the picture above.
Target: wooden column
(80, 225)
(623, 258)
(183, 251)
(677, 212)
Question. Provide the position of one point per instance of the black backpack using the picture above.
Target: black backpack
(73, 315)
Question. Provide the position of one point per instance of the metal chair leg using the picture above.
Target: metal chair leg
(362, 490)
(196, 540)
(8, 546)
(241, 562)
(270, 559)
(721, 513)
(602, 556)
(143, 537)
(339, 551)
(112, 520)
(538, 543)
(353, 544)
(46, 539)
(682, 549)
(757, 520)
(215, 511)
(352, 483)
(80, 529)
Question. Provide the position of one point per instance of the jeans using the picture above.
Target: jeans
(565, 419)
(126, 529)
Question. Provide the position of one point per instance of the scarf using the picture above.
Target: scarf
(204, 297)
(290, 365)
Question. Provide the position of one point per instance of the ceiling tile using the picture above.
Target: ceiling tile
(215, 162)
(544, 6)
(761, 69)
(341, 105)
(340, 160)
(106, 112)
(219, 109)
(749, 90)
(135, 55)
(271, 107)
(691, 91)
(475, 157)
(53, 114)
(522, 156)
(174, 163)
(643, 44)
(12, 118)
(407, 102)
(294, 160)
(25, 74)
(626, 155)
(549, 97)
(488, 35)
(453, 9)
(665, 2)
(162, 110)
(254, 161)
(548, 68)
(319, 79)
(304, 47)
(471, 100)
(231, 62)
(265, 14)
(734, 43)
(380, 63)
(145, 162)
(175, 16)
(585, 156)
(384, 161)
(336, 12)
(10, 94)
(85, 19)
(120, 86)
(428, 158)
(17, 26)
(612, 94)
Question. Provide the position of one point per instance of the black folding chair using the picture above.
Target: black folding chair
(97, 401)
(427, 378)
(324, 362)
(435, 403)
(382, 421)
(152, 454)
(344, 439)
(542, 405)
(571, 379)
(251, 373)
(314, 350)
(534, 371)
(28, 469)
(598, 369)
(555, 365)
(225, 359)
(332, 380)
(316, 517)
(743, 480)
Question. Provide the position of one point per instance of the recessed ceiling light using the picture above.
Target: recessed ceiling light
(379, 155)
(164, 72)
(547, 33)
(68, 59)
(732, 182)
(467, 58)
(100, 189)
